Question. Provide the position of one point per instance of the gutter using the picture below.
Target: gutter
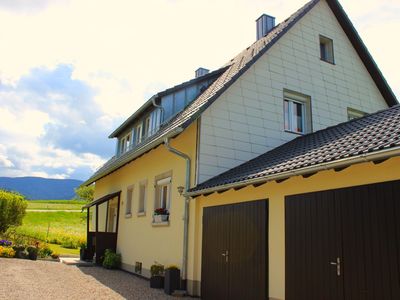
(128, 157)
(186, 210)
(345, 162)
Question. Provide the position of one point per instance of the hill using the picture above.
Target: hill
(41, 188)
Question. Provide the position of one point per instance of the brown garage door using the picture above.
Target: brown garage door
(344, 244)
(234, 254)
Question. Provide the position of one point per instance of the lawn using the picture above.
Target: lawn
(56, 204)
(63, 228)
(63, 251)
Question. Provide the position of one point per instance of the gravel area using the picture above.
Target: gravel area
(25, 279)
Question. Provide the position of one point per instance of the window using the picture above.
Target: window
(163, 193)
(147, 129)
(326, 49)
(125, 143)
(142, 197)
(138, 133)
(129, 197)
(296, 112)
(354, 113)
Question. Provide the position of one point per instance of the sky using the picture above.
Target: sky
(71, 71)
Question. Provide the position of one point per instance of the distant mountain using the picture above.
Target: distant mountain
(36, 188)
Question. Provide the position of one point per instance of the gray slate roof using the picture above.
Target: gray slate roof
(369, 134)
(234, 69)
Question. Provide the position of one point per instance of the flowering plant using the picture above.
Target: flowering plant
(161, 211)
(5, 243)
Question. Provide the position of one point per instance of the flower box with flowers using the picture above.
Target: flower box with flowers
(160, 215)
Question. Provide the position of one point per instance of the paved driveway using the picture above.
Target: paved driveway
(25, 279)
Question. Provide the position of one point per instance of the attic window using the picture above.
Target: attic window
(326, 49)
(354, 113)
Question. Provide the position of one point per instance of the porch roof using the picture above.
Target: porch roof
(102, 199)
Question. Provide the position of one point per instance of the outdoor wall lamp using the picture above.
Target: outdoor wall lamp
(180, 190)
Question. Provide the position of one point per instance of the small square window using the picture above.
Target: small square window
(354, 113)
(326, 49)
(297, 112)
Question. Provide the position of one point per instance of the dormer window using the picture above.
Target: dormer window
(147, 125)
(138, 133)
(326, 49)
(125, 143)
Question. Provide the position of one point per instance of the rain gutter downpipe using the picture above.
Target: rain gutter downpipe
(186, 210)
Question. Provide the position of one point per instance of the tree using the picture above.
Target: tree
(85, 193)
(12, 209)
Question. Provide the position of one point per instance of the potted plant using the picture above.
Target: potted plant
(157, 276)
(32, 253)
(172, 278)
(161, 215)
(83, 253)
(111, 260)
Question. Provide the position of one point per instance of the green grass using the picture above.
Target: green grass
(56, 204)
(63, 228)
(63, 251)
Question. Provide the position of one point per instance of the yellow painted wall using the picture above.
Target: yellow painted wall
(138, 240)
(360, 174)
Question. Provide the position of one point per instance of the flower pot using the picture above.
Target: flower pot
(82, 253)
(157, 282)
(160, 218)
(172, 278)
(32, 254)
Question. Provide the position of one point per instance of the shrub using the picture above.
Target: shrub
(69, 242)
(6, 252)
(55, 255)
(111, 260)
(12, 209)
(85, 193)
(157, 270)
(44, 250)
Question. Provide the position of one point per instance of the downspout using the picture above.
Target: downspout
(186, 210)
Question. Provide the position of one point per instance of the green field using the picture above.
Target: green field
(63, 230)
(55, 204)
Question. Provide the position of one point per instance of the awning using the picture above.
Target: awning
(102, 199)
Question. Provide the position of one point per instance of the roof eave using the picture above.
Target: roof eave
(345, 162)
(133, 155)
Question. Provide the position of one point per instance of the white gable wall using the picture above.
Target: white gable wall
(247, 119)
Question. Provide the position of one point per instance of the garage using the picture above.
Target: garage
(235, 251)
(344, 243)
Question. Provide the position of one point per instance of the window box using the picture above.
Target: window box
(160, 218)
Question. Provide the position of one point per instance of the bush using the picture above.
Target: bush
(6, 252)
(44, 250)
(55, 255)
(111, 259)
(12, 209)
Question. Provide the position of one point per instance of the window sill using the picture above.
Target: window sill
(127, 216)
(141, 214)
(327, 61)
(295, 132)
(160, 224)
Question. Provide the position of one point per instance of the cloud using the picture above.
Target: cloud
(28, 6)
(52, 126)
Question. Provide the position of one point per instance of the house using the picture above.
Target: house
(279, 171)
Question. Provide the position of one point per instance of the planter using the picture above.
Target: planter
(172, 278)
(157, 282)
(84, 254)
(160, 218)
(32, 253)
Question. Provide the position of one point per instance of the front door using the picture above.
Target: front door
(234, 254)
(344, 244)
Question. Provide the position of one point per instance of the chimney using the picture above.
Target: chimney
(200, 72)
(264, 24)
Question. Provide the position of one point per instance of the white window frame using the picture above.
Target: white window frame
(292, 118)
(147, 126)
(139, 133)
(125, 143)
(142, 198)
(160, 184)
(354, 113)
(129, 201)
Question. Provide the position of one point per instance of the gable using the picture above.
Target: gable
(247, 119)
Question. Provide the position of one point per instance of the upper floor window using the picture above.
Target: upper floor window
(125, 143)
(354, 113)
(326, 49)
(147, 127)
(138, 133)
(297, 112)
